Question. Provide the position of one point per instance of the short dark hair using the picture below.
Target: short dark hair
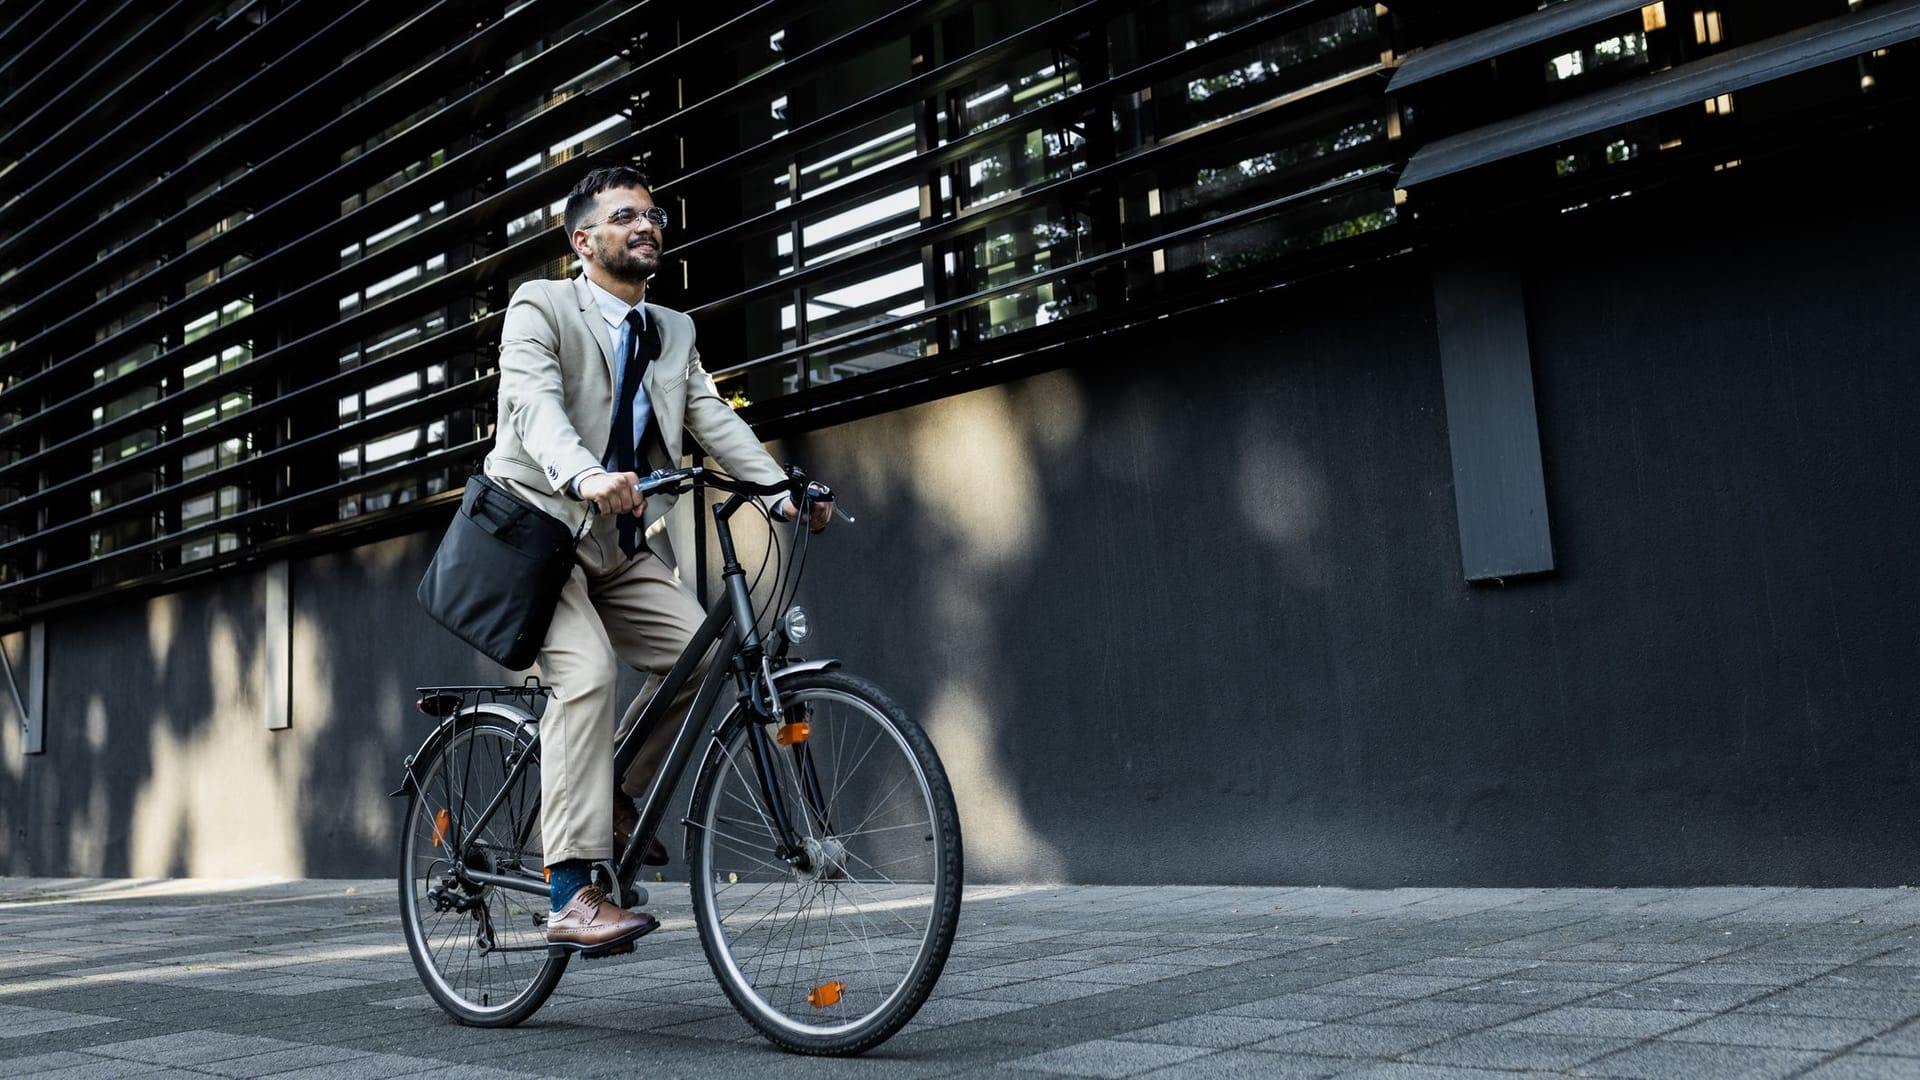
(581, 200)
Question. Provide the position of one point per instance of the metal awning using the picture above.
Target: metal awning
(1736, 69)
(1505, 38)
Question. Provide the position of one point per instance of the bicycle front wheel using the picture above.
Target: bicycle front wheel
(831, 949)
(481, 950)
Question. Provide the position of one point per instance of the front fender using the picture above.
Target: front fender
(519, 717)
(780, 676)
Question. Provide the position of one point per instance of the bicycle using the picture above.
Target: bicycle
(822, 843)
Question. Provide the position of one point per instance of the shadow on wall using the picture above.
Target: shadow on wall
(13, 759)
(142, 772)
(1137, 603)
(158, 760)
(1030, 563)
(966, 481)
(361, 644)
(1119, 600)
(1045, 581)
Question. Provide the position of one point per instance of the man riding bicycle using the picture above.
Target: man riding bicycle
(596, 387)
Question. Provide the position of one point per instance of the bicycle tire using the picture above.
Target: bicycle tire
(836, 987)
(503, 978)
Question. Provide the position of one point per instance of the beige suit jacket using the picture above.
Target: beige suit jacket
(556, 404)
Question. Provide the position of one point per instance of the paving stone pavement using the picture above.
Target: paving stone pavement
(178, 978)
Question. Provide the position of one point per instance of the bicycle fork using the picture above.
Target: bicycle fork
(753, 672)
(765, 753)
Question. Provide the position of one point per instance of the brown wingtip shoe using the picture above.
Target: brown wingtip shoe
(590, 923)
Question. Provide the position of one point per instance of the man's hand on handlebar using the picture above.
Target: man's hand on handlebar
(614, 493)
(819, 509)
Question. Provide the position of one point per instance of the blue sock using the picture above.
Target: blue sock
(567, 878)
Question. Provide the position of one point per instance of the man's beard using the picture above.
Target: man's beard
(624, 264)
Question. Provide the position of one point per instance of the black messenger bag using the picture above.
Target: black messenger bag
(497, 575)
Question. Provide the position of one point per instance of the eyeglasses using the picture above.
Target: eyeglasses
(624, 218)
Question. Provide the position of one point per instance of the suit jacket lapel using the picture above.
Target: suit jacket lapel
(595, 325)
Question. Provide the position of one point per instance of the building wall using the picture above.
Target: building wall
(1190, 608)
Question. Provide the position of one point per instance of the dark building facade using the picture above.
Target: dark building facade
(1292, 442)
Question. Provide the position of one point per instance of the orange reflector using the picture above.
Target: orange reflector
(793, 732)
(439, 827)
(826, 993)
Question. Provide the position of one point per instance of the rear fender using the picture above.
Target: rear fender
(520, 719)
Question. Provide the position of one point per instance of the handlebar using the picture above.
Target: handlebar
(797, 486)
(677, 481)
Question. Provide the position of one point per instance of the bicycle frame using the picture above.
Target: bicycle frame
(730, 622)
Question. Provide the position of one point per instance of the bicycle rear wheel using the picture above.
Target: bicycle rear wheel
(834, 955)
(481, 950)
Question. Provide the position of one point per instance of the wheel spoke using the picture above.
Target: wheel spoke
(921, 825)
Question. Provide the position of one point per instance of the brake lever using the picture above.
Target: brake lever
(826, 495)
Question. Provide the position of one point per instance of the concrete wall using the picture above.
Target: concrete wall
(1196, 613)
(1190, 609)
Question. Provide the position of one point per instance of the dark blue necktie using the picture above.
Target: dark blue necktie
(639, 344)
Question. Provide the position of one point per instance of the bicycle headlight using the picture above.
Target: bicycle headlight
(795, 624)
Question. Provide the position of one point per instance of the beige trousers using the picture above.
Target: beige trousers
(611, 608)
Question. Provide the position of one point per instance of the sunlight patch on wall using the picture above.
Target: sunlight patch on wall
(1282, 496)
(96, 724)
(1054, 411)
(163, 620)
(1000, 842)
(977, 476)
(313, 678)
(218, 801)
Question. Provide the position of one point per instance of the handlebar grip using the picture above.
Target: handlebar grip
(659, 479)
